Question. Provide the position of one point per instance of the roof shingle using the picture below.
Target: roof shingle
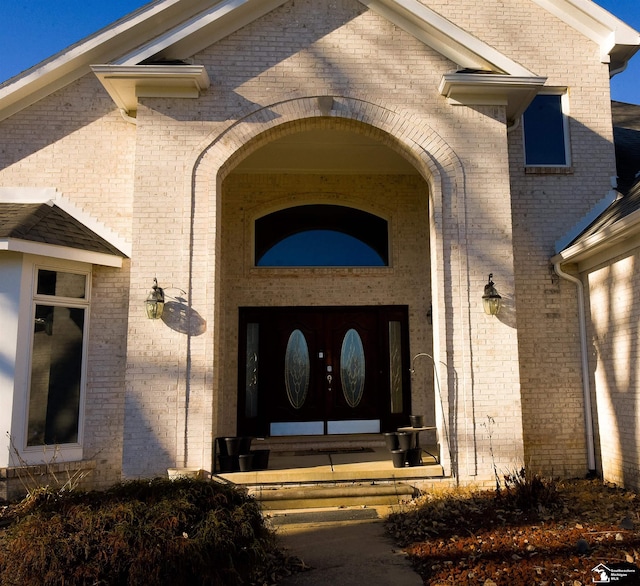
(50, 224)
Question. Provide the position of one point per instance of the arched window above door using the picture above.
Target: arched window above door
(321, 235)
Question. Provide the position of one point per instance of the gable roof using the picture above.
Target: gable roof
(177, 29)
(34, 223)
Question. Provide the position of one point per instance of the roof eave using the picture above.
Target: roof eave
(126, 83)
(482, 89)
(609, 242)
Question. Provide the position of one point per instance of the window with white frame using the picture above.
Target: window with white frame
(546, 131)
(57, 370)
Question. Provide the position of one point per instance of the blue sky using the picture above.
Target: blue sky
(32, 30)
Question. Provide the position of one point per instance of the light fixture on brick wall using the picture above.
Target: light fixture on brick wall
(155, 301)
(491, 300)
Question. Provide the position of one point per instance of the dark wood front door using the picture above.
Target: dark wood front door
(322, 370)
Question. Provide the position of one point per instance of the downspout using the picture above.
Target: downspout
(586, 387)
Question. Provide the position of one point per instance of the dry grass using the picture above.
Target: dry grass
(159, 532)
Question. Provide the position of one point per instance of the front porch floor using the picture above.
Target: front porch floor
(331, 466)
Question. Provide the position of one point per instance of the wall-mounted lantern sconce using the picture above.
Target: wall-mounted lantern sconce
(491, 300)
(155, 301)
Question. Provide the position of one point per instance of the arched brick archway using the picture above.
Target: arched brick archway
(407, 134)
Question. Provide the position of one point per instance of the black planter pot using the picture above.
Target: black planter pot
(246, 462)
(399, 458)
(245, 445)
(228, 463)
(221, 446)
(391, 439)
(414, 457)
(233, 445)
(260, 459)
(416, 420)
(406, 440)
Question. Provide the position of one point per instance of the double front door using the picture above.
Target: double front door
(322, 370)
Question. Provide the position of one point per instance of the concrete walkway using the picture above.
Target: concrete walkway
(342, 547)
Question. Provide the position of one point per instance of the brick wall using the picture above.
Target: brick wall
(613, 333)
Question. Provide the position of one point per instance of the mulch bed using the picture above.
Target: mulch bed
(494, 538)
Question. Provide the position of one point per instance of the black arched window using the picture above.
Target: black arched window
(321, 235)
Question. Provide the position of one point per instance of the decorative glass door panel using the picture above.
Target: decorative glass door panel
(296, 369)
(352, 368)
(322, 370)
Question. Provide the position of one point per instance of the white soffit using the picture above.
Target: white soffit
(60, 252)
(489, 89)
(126, 83)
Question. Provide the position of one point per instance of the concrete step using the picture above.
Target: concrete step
(320, 496)
(327, 475)
(309, 467)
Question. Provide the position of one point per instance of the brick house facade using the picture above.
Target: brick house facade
(167, 136)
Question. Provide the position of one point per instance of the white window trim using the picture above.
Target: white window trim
(33, 455)
(563, 92)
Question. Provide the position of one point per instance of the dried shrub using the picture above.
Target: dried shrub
(159, 532)
(528, 491)
(520, 498)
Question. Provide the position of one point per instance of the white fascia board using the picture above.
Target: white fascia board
(476, 89)
(202, 30)
(27, 194)
(608, 243)
(60, 252)
(445, 37)
(594, 22)
(126, 83)
(50, 196)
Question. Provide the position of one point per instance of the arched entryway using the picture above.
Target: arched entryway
(364, 158)
(324, 340)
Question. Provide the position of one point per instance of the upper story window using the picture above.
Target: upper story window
(321, 236)
(546, 131)
(59, 310)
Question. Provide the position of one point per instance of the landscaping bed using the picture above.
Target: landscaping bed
(139, 533)
(528, 531)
